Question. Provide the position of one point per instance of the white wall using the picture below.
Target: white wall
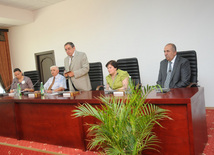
(114, 29)
(15, 16)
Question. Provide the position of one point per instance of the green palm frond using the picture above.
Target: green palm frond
(126, 125)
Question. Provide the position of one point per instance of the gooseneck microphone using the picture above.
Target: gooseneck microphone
(35, 83)
(28, 92)
(2, 84)
(9, 86)
(4, 90)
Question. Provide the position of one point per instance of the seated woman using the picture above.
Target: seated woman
(24, 81)
(117, 79)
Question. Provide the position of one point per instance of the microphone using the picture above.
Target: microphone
(2, 85)
(27, 92)
(11, 85)
(35, 83)
(4, 90)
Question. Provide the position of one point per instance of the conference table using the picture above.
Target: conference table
(49, 119)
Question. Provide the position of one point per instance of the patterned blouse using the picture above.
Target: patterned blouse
(26, 83)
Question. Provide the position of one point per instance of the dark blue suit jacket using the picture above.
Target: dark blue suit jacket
(180, 76)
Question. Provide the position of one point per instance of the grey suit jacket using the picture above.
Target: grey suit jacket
(180, 76)
(80, 67)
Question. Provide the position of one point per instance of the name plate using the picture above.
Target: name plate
(118, 93)
(67, 94)
(32, 95)
(11, 94)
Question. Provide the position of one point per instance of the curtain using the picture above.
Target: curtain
(5, 61)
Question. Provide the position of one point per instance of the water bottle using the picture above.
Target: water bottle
(42, 89)
(19, 93)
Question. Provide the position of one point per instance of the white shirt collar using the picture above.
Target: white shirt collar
(172, 63)
(56, 76)
(73, 54)
(69, 62)
(173, 60)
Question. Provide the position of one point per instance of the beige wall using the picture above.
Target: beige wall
(114, 29)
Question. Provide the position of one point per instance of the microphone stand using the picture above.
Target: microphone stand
(27, 92)
(35, 83)
(4, 90)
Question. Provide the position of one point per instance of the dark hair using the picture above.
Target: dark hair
(69, 43)
(17, 69)
(173, 46)
(113, 63)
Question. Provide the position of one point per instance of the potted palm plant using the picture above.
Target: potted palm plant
(126, 125)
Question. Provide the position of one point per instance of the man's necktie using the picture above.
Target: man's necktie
(168, 77)
(52, 84)
(70, 63)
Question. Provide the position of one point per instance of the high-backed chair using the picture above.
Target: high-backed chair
(61, 71)
(96, 75)
(131, 66)
(192, 57)
(34, 76)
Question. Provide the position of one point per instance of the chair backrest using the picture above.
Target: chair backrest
(61, 71)
(34, 76)
(131, 66)
(192, 57)
(96, 74)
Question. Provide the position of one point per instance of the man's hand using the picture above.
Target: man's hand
(49, 91)
(70, 74)
(65, 74)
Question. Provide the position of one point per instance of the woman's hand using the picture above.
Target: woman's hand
(28, 89)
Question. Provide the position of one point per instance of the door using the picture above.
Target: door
(44, 60)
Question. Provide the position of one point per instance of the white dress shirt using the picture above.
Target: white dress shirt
(60, 81)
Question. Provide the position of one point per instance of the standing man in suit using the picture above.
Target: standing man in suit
(76, 69)
(174, 70)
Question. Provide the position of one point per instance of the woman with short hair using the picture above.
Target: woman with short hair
(117, 79)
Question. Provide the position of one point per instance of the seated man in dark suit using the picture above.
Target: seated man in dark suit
(174, 70)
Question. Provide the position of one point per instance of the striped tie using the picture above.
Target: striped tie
(168, 77)
(70, 62)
